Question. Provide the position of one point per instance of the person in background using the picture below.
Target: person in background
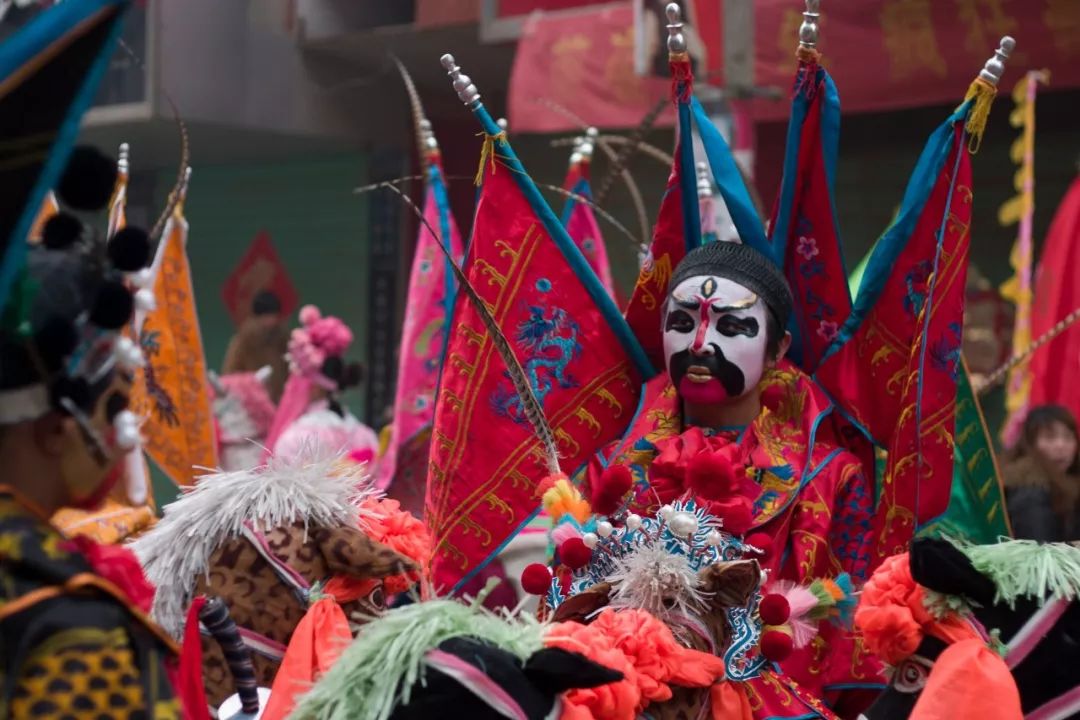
(262, 340)
(311, 410)
(1042, 482)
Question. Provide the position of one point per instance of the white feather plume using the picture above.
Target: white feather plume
(314, 486)
(660, 582)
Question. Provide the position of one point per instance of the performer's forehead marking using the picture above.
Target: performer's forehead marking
(709, 287)
(743, 304)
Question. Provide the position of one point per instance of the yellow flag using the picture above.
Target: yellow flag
(49, 208)
(170, 392)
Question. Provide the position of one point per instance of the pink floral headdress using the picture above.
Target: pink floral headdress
(317, 339)
(310, 345)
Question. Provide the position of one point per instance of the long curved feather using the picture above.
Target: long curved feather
(662, 157)
(179, 187)
(608, 217)
(532, 409)
(998, 375)
(414, 103)
(628, 179)
(630, 149)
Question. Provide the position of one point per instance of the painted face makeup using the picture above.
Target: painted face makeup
(92, 465)
(714, 339)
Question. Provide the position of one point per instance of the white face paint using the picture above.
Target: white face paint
(714, 339)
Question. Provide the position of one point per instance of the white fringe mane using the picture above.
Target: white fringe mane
(315, 487)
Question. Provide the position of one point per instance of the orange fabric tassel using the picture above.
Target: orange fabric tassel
(969, 682)
(316, 644)
(729, 702)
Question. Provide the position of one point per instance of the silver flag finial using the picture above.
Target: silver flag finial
(808, 31)
(463, 84)
(427, 136)
(586, 150)
(995, 66)
(704, 182)
(676, 42)
(122, 162)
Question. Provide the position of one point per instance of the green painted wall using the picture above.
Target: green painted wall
(317, 225)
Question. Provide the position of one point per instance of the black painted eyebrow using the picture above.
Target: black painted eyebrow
(676, 315)
(690, 304)
(730, 325)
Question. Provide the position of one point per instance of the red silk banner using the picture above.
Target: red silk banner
(897, 374)
(645, 311)
(424, 326)
(584, 62)
(883, 54)
(486, 461)
(582, 227)
(1057, 293)
(812, 258)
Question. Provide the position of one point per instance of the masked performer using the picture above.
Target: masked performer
(311, 406)
(77, 640)
(740, 429)
(750, 433)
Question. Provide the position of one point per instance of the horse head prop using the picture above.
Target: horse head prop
(269, 542)
(976, 631)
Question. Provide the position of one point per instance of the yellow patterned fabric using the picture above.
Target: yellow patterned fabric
(83, 672)
(69, 654)
(112, 523)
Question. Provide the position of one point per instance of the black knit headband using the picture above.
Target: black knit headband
(744, 265)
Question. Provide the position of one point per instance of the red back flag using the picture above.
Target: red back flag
(895, 367)
(581, 225)
(579, 358)
(804, 234)
(670, 240)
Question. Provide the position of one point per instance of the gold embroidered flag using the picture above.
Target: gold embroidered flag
(170, 391)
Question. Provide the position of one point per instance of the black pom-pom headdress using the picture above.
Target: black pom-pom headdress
(61, 332)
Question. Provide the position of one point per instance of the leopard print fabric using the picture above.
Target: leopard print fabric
(260, 601)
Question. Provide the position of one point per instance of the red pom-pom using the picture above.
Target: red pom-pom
(574, 553)
(776, 646)
(762, 541)
(610, 488)
(536, 579)
(774, 609)
(711, 476)
(735, 512)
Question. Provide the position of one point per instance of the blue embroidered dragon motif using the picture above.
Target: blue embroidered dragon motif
(945, 352)
(916, 280)
(547, 342)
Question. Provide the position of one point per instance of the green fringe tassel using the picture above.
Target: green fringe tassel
(386, 660)
(1028, 569)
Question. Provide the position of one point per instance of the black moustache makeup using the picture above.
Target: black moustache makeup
(728, 373)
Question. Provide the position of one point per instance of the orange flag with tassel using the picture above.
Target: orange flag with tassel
(49, 208)
(170, 391)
